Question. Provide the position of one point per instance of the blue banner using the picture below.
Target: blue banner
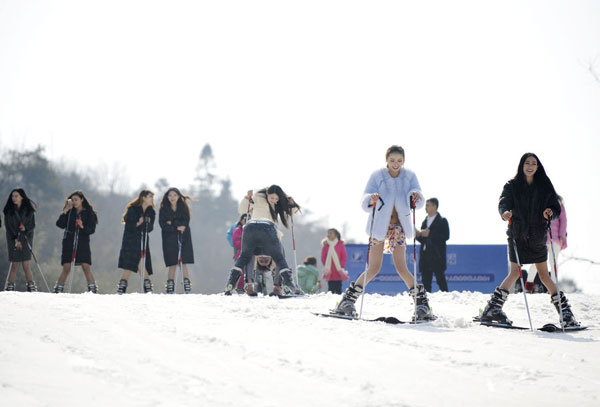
(469, 268)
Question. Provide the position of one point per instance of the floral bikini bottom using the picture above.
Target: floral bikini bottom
(395, 236)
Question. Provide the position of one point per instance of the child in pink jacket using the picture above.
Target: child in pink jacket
(333, 257)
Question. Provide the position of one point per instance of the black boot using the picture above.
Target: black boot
(170, 287)
(31, 287)
(288, 280)
(234, 277)
(10, 286)
(122, 287)
(423, 310)
(346, 306)
(147, 286)
(493, 310)
(567, 315)
(92, 287)
(187, 286)
(59, 288)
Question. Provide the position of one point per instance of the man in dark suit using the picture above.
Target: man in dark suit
(432, 236)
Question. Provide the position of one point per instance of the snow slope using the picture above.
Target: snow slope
(212, 350)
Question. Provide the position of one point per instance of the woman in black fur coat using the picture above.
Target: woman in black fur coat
(528, 202)
(19, 219)
(139, 222)
(78, 219)
(174, 219)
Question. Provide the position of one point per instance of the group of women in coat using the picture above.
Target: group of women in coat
(528, 203)
(79, 219)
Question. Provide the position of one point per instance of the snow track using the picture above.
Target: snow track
(158, 350)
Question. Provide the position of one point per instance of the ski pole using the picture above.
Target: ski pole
(413, 207)
(74, 256)
(142, 261)
(521, 277)
(179, 265)
(36, 262)
(7, 274)
(362, 297)
(294, 250)
(562, 322)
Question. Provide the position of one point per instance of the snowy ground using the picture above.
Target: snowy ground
(211, 350)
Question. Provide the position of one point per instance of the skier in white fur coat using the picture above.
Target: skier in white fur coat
(392, 188)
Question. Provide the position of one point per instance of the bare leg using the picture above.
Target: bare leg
(172, 272)
(375, 261)
(512, 277)
(27, 270)
(399, 257)
(88, 272)
(542, 269)
(12, 275)
(65, 273)
(126, 274)
(185, 271)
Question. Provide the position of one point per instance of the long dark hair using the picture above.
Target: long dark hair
(85, 203)
(138, 201)
(27, 204)
(181, 201)
(244, 216)
(539, 178)
(282, 207)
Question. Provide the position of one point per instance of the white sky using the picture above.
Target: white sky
(309, 94)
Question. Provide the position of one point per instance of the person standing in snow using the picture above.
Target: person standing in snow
(79, 220)
(174, 220)
(334, 257)
(528, 201)
(261, 235)
(139, 222)
(19, 221)
(308, 276)
(392, 189)
(432, 236)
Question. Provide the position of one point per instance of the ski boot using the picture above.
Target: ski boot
(170, 287)
(187, 286)
(288, 280)
(59, 288)
(346, 306)
(493, 310)
(567, 315)
(423, 311)
(277, 292)
(31, 287)
(92, 287)
(147, 286)
(250, 289)
(234, 277)
(10, 286)
(122, 287)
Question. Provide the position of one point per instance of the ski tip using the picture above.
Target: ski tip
(555, 328)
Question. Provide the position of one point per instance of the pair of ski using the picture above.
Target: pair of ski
(387, 320)
(545, 328)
